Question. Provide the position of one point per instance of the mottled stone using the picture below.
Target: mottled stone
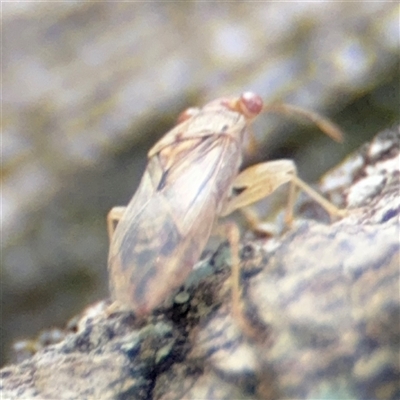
(321, 319)
(89, 86)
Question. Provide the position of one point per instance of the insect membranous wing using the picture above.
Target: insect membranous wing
(168, 221)
(163, 181)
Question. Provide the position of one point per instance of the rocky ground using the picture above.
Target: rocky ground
(90, 86)
(322, 306)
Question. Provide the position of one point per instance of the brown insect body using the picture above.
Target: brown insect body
(187, 184)
(168, 221)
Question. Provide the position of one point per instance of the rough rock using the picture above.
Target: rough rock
(321, 306)
(89, 86)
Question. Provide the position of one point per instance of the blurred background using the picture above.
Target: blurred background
(89, 87)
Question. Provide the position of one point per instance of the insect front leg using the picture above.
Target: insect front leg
(260, 180)
(113, 216)
(231, 231)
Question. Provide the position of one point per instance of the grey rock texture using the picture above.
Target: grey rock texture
(89, 86)
(321, 314)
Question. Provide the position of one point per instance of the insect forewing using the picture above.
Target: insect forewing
(169, 219)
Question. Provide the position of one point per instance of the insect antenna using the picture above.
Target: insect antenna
(326, 126)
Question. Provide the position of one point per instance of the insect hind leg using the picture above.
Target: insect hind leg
(260, 180)
(324, 203)
(231, 231)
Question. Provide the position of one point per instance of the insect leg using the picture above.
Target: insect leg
(327, 205)
(232, 233)
(260, 180)
(113, 216)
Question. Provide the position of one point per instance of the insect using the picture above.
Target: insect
(189, 182)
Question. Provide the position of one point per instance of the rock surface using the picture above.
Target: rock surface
(322, 305)
(89, 86)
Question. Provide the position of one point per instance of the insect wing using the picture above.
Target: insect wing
(168, 222)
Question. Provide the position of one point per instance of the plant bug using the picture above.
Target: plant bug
(189, 182)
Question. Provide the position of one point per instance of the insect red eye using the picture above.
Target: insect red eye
(250, 104)
(188, 113)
